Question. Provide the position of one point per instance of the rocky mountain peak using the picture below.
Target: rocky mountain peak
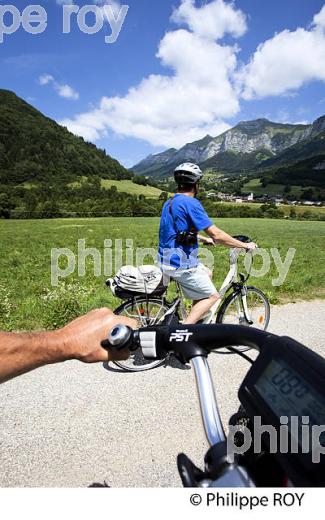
(318, 125)
(259, 139)
(256, 124)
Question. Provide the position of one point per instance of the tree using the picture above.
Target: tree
(30, 203)
(307, 194)
(95, 181)
(271, 211)
(3, 158)
(163, 196)
(5, 205)
(293, 213)
(308, 215)
(267, 207)
(139, 179)
(50, 209)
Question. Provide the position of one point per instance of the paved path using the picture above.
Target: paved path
(74, 425)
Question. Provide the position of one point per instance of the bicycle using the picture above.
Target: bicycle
(286, 380)
(239, 305)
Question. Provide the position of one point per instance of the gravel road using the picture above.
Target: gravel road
(74, 425)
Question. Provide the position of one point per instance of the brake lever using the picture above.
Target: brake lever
(190, 474)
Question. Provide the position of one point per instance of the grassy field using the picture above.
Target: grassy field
(255, 186)
(134, 189)
(28, 301)
(125, 186)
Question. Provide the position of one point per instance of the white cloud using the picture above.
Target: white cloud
(287, 61)
(170, 110)
(212, 20)
(116, 6)
(63, 90)
(66, 91)
(204, 85)
(319, 19)
(45, 79)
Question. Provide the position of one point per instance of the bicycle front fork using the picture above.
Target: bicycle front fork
(246, 310)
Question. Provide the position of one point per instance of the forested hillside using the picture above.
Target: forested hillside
(33, 148)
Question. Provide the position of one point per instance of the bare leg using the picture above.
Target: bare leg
(200, 308)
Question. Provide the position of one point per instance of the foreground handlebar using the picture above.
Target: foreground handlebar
(188, 341)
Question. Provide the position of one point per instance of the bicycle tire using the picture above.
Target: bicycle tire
(140, 364)
(263, 320)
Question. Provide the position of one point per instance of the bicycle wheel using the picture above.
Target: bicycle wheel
(232, 311)
(146, 312)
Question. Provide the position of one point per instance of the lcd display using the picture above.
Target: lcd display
(288, 394)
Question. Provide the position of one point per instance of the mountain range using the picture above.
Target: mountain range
(249, 146)
(35, 149)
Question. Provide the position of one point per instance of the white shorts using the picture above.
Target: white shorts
(195, 282)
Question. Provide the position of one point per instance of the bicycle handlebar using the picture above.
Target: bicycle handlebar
(188, 341)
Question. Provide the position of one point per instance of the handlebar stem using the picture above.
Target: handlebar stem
(209, 409)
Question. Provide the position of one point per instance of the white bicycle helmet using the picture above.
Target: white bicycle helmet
(187, 173)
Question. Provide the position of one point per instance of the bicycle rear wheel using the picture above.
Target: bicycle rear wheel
(147, 313)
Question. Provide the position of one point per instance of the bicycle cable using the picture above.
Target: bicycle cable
(233, 350)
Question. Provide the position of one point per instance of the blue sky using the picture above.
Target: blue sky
(238, 61)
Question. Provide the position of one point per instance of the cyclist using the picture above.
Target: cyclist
(182, 218)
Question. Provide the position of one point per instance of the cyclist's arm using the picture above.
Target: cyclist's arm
(81, 339)
(220, 237)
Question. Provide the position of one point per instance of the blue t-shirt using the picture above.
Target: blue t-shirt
(188, 214)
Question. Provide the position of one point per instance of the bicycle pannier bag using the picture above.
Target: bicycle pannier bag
(133, 281)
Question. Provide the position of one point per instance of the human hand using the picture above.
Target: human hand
(208, 241)
(81, 339)
(251, 246)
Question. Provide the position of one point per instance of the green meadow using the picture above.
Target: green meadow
(28, 301)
